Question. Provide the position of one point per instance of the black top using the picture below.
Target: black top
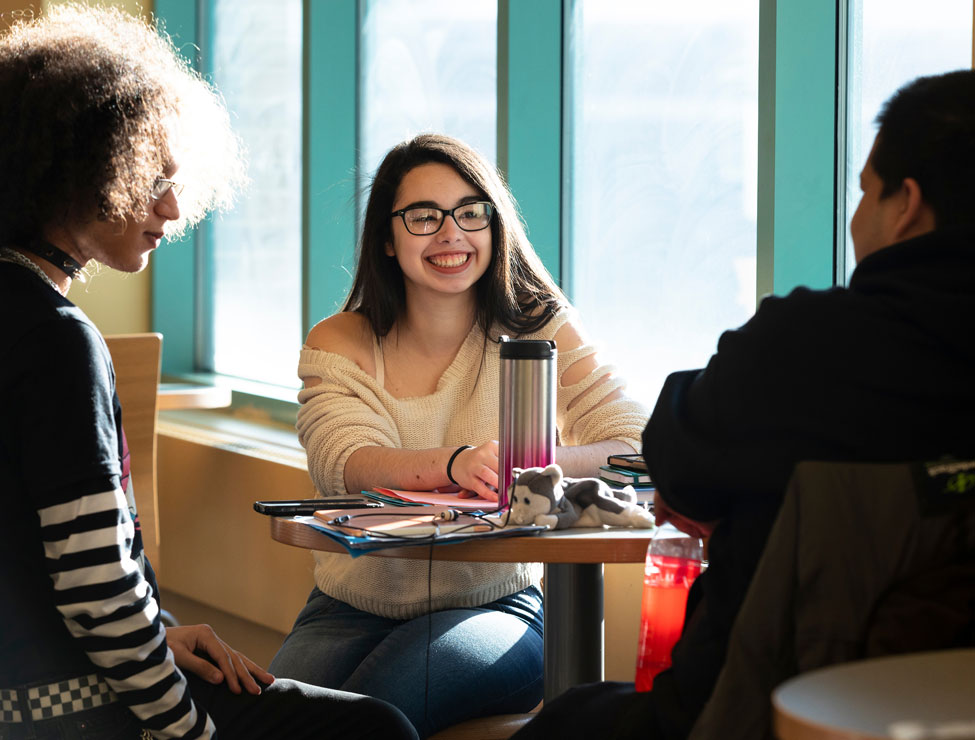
(55, 368)
(881, 371)
(70, 545)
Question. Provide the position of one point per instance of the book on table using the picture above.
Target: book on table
(394, 497)
(612, 474)
(644, 492)
(633, 461)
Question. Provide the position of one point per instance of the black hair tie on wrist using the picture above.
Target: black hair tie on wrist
(450, 462)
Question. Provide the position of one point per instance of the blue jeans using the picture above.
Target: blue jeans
(439, 669)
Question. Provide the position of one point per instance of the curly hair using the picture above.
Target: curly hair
(515, 291)
(94, 106)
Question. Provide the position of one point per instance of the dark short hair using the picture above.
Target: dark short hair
(927, 132)
(90, 99)
(516, 291)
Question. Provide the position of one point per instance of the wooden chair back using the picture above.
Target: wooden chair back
(137, 359)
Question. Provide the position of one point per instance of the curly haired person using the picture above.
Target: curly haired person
(101, 123)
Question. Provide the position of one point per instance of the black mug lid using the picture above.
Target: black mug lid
(526, 349)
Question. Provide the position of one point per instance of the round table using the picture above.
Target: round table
(573, 583)
(879, 698)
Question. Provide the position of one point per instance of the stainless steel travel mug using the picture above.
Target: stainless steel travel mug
(527, 422)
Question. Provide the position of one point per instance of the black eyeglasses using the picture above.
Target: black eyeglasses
(427, 220)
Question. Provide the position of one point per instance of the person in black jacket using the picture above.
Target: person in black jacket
(880, 371)
(100, 122)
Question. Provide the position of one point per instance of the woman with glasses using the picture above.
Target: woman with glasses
(401, 390)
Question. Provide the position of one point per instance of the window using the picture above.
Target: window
(672, 160)
(662, 190)
(890, 43)
(428, 66)
(252, 320)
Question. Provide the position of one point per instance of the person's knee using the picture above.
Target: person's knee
(389, 721)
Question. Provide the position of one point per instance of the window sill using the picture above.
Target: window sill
(250, 399)
(261, 439)
(260, 421)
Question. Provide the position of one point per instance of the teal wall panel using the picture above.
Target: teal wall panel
(797, 149)
(174, 274)
(330, 144)
(530, 117)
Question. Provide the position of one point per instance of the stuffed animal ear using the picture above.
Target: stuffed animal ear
(554, 472)
(515, 472)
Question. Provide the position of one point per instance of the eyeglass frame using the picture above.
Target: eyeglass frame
(444, 212)
(176, 187)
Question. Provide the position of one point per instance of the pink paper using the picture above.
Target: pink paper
(443, 499)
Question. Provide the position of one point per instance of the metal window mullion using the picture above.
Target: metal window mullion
(330, 72)
(204, 328)
(174, 275)
(797, 145)
(843, 37)
(530, 114)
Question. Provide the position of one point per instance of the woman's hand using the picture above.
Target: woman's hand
(189, 643)
(476, 471)
(663, 513)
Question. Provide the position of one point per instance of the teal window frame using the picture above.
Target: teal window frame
(800, 50)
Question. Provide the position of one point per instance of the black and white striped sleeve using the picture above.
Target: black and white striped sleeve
(107, 605)
(70, 456)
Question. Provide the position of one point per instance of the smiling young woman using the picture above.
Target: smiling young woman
(404, 384)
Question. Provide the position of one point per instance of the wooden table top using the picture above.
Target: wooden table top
(185, 396)
(582, 545)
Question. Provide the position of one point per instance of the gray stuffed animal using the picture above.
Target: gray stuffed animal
(543, 496)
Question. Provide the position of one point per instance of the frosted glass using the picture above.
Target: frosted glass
(663, 179)
(428, 66)
(891, 43)
(256, 64)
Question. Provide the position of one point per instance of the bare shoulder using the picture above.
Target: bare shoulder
(571, 334)
(348, 334)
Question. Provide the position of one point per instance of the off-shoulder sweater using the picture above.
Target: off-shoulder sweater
(349, 409)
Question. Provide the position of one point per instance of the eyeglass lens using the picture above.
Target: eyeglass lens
(469, 217)
(162, 186)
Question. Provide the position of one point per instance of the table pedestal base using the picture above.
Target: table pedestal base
(573, 626)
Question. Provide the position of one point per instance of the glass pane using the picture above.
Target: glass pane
(256, 248)
(663, 179)
(891, 43)
(428, 66)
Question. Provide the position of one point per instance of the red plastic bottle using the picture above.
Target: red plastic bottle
(673, 562)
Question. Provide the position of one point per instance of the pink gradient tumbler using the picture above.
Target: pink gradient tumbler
(527, 423)
(673, 562)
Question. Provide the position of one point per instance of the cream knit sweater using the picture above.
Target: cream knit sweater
(349, 410)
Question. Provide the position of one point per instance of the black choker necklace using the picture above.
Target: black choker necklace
(57, 257)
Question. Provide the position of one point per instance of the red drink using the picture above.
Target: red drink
(666, 581)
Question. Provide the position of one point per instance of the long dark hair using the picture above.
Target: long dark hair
(515, 291)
